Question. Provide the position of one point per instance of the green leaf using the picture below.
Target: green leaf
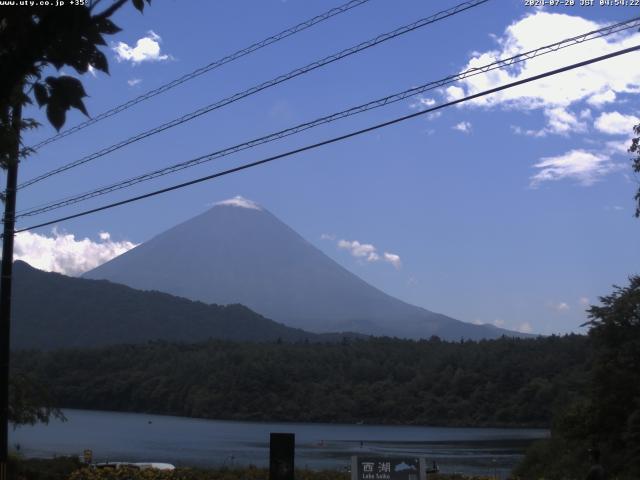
(29, 124)
(41, 94)
(70, 87)
(94, 36)
(139, 4)
(99, 61)
(79, 104)
(65, 92)
(56, 114)
(107, 26)
(51, 81)
(82, 57)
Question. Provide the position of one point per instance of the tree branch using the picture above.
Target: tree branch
(112, 9)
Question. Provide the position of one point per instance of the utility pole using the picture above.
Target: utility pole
(5, 282)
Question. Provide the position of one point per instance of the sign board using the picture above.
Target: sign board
(281, 456)
(87, 456)
(388, 468)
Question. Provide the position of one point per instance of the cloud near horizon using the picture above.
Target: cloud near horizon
(525, 327)
(63, 253)
(560, 307)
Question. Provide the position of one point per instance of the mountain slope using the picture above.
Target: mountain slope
(237, 252)
(54, 311)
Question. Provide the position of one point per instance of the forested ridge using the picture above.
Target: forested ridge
(606, 419)
(504, 382)
(53, 311)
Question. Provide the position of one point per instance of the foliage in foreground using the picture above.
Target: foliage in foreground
(224, 474)
(508, 382)
(608, 417)
(37, 38)
(69, 468)
(29, 402)
(59, 468)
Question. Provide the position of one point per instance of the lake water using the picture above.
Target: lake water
(196, 442)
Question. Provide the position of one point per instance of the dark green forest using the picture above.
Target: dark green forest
(607, 417)
(504, 382)
(52, 311)
(585, 388)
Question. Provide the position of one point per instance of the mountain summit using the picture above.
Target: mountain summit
(238, 252)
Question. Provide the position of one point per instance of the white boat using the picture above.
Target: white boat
(135, 465)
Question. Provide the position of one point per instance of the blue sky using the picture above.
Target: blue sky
(516, 210)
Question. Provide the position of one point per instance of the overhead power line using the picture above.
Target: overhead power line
(502, 63)
(258, 88)
(206, 68)
(339, 138)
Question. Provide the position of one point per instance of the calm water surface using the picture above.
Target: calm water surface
(189, 441)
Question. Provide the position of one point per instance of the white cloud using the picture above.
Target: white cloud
(422, 103)
(464, 127)
(525, 327)
(134, 81)
(582, 166)
(393, 259)
(560, 121)
(454, 93)
(360, 250)
(597, 82)
(368, 252)
(583, 301)
(147, 49)
(614, 208)
(599, 99)
(618, 146)
(528, 132)
(560, 307)
(240, 201)
(585, 114)
(498, 323)
(63, 253)
(615, 123)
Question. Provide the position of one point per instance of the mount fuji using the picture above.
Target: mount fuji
(238, 252)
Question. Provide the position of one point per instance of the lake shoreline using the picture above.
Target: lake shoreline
(503, 426)
(190, 442)
(68, 466)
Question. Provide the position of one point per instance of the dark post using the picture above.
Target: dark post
(281, 453)
(5, 287)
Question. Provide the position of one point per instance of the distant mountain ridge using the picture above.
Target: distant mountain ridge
(238, 252)
(52, 311)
